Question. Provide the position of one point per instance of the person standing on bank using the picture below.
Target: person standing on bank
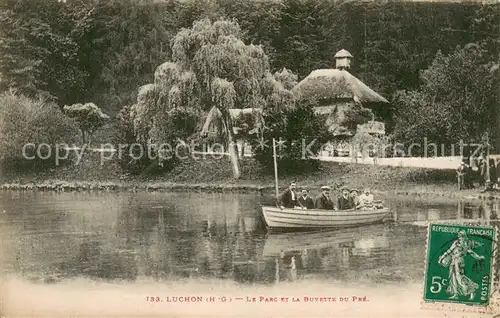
(482, 171)
(493, 172)
(461, 175)
(498, 173)
(323, 201)
(305, 201)
(469, 181)
(289, 197)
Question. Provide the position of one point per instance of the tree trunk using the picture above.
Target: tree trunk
(233, 153)
(232, 146)
(242, 148)
(84, 137)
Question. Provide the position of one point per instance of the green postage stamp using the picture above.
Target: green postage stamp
(460, 266)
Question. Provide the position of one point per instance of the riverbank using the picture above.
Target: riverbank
(216, 175)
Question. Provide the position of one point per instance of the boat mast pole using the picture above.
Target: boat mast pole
(488, 180)
(275, 170)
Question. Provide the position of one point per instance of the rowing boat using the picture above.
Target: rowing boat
(298, 218)
(288, 218)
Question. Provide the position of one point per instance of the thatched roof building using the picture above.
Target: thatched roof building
(327, 85)
(336, 91)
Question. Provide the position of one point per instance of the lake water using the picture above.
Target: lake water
(172, 245)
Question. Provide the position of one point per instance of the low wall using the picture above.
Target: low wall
(415, 162)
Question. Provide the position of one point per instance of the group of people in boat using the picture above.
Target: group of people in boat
(348, 199)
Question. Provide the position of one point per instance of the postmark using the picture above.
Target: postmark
(460, 267)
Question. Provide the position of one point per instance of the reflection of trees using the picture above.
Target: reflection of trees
(468, 211)
(140, 235)
(246, 263)
(94, 260)
(156, 251)
(486, 212)
(139, 227)
(314, 261)
(172, 240)
(215, 255)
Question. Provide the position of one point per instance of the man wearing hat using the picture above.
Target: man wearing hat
(344, 202)
(354, 198)
(323, 201)
(462, 175)
(289, 197)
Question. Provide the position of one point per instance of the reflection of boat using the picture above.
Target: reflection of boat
(298, 218)
(290, 243)
(366, 246)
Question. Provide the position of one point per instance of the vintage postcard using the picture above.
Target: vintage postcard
(249, 158)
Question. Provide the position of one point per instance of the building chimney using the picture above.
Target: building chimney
(343, 60)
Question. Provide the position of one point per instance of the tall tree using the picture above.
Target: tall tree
(89, 118)
(44, 45)
(455, 101)
(211, 67)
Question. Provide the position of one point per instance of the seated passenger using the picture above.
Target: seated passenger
(289, 198)
(344, 202)
(305, 201)
(355, 198)
(323, 201)
(366, 199)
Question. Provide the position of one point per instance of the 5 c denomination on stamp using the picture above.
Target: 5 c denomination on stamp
(459, 268)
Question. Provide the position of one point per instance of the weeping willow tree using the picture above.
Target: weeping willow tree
(211, 69)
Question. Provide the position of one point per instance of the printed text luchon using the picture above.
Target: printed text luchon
(255, 299)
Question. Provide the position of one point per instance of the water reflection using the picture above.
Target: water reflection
(178, 236)
(332, 253)
(485, 213)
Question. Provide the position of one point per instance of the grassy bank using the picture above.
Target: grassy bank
(216, 175)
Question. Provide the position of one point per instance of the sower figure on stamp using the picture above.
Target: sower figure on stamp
(459, 283)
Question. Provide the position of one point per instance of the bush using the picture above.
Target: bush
(298, 128)
(123, 133)
(89, 118)
(180, 124)
(26, 121)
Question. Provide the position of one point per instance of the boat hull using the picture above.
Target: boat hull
(315, 219)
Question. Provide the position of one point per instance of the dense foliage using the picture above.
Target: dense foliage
(108, 48)
(47, 48)
(211, 67)
(299, 135)
(101, 51)
(24, 121)
(455, 102)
